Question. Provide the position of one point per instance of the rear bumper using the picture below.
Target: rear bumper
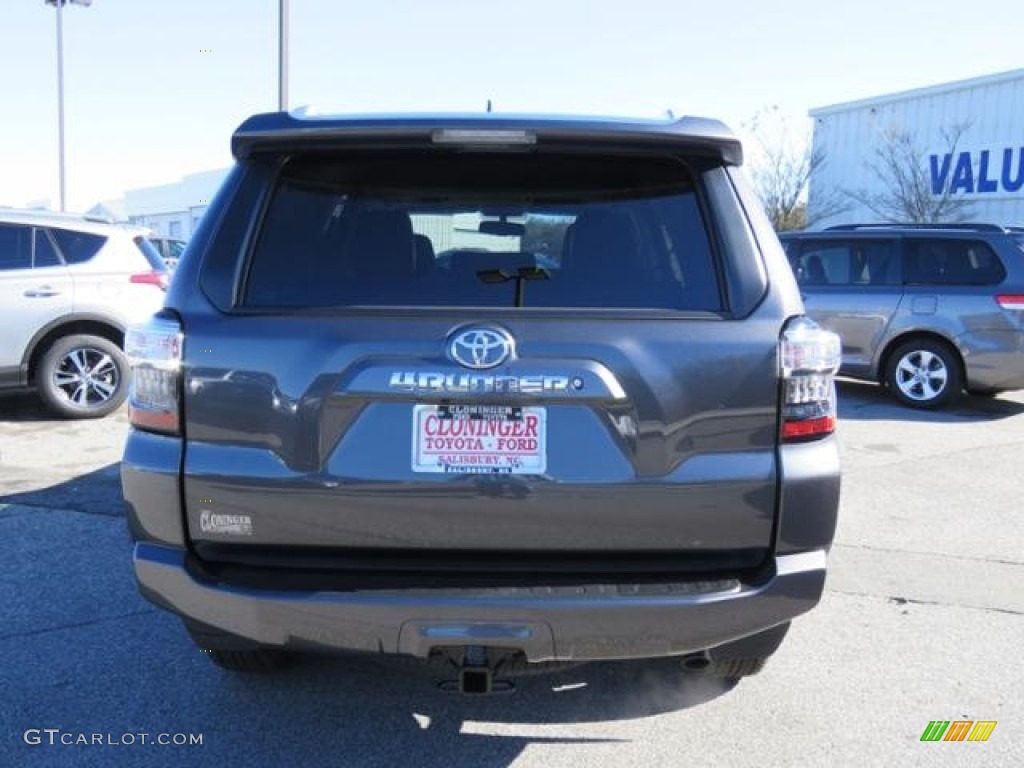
(547, 624)
(994, 359)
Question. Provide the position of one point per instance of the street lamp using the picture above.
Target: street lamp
(282, 55)
(59, 4)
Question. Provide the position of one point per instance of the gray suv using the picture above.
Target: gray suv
(504, 392)
(926, 310)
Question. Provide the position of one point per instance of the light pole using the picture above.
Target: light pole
(59, 5)
(282, 55)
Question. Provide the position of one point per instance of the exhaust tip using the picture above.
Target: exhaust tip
(697, 662)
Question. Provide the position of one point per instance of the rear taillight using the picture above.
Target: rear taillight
(160, 279)
(1011, 301)
(154, 349)
(809, 359)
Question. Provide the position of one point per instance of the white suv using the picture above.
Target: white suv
(69, 286)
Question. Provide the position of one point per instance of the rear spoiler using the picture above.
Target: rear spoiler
(287, 131)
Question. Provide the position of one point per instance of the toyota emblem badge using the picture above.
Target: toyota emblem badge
(481, 347)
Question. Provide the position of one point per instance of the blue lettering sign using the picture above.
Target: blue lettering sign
(1012, 185)
(963, 176)
(959, 177)
(939, 172)
(985, 184)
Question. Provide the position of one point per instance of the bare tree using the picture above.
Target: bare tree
(782, 164)
(909, 192)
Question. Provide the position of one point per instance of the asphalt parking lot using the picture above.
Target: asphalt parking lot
(923, 619)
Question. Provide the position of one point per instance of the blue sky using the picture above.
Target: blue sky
(153, 89)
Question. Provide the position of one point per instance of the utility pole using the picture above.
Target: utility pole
(60, 105)
(282, 55)
(59, 5)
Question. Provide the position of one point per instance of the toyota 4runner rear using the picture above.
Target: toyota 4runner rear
(502, 390)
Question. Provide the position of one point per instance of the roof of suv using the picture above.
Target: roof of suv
(77, 221)
(270, 130)
(845, 230)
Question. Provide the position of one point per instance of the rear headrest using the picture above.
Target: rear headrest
(600, 241)
(425, 255)
(381, 245)
(816, 274)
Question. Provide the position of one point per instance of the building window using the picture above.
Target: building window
(174, 229)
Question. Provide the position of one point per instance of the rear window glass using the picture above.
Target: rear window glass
(484, 230)
(844, 262)
(77, 247)
(951, 262)
(15, 247)
(175, 248)
(43, 254)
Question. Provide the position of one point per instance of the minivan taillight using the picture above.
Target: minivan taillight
(809, 359)
(1010, 301)
(154, 349)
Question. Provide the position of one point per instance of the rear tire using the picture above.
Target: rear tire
(734, 669)
(746, 656)
(987, 393)
(260, 660)
(82, 377)
(924, 373)
(233, 653)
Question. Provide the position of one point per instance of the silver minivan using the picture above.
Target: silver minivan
(69, 287)
(925, 310)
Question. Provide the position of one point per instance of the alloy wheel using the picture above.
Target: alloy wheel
(88, 377)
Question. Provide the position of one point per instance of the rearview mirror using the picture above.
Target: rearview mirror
(502, 228)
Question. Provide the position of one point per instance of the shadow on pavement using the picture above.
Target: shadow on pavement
(587, 693)
(138, 672)
(24, 407)
(95, 493)
(402, 714)
(357, 711)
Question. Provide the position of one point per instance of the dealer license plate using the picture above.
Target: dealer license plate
(479, 439)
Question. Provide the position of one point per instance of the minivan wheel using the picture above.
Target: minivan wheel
(924, 374)
(82, 376)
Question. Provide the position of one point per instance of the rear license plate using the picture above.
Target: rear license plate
(479, 439)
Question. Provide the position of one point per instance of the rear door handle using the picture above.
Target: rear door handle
(42, 292)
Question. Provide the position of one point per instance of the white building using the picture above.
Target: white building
(986, 168)
(174, 210)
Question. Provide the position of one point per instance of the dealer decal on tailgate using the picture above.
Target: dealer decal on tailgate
(479, 439)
